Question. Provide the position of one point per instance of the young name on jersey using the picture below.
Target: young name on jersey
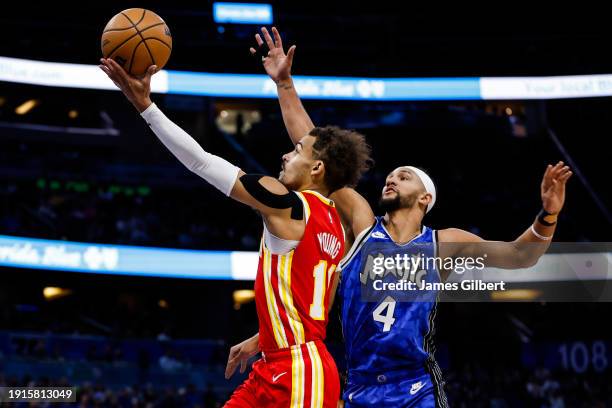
(330, 244)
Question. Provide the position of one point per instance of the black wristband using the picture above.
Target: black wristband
(547, 219)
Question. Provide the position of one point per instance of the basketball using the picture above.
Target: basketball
(136, 39)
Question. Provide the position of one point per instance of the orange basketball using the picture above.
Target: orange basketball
(136, 39)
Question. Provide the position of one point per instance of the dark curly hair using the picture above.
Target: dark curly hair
(345, 153)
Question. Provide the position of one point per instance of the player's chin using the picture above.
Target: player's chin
(282, 177)
(390, 201)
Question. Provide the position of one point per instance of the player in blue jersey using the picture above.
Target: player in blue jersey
(389, 340)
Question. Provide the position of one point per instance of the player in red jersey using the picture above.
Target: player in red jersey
(292, 294)
(303, 242)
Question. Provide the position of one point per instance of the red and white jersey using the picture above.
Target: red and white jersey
(292, 290)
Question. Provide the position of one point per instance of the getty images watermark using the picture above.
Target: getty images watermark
(417, 268)
(487, 272)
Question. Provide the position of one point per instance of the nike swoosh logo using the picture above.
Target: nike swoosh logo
(416, 389)
(276, 377)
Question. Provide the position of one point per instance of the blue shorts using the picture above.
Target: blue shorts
(415, 392)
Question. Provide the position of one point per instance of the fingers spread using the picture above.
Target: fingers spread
(267, 37)
(291, 52)
(277, 38)
(259, 40)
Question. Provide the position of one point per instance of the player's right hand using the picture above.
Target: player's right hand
(136, 90)
(240, 354)
(277, 64)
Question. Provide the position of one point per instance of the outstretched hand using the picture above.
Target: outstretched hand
(136, 89)
(553, 187)
(277, 64)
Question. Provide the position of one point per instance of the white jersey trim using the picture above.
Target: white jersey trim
(276, 245)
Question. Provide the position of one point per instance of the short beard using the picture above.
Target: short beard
(397, 203)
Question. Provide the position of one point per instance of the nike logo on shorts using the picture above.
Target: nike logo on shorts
(416, 387)
(276, 377)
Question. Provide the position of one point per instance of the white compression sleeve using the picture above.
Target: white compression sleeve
(217, 171)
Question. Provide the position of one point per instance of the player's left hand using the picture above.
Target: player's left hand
(277, 64)
(240, 355)
(136, 89)
(553, 187)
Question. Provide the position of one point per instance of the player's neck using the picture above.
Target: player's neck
(404, 224)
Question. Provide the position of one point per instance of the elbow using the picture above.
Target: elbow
(527, 260)
(196, 166)
(527, 254)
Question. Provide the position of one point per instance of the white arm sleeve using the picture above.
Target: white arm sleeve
(217, 171)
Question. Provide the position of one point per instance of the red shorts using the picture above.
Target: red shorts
(295, 377)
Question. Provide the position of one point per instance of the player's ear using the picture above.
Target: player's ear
(318, 168)
(425, 199)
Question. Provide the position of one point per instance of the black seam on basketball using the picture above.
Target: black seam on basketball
(161, 41)
(132, 57)
(141, 17)
(132, 36)
(117, 29)
(148, 49)
(126, 28)
(110, 54)
(143, 40)
(128, 18)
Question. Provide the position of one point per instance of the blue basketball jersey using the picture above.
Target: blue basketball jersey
(387, 323)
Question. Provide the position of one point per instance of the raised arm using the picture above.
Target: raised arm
(527, 249)
(265, 194)
(278, 66)
(354, 210)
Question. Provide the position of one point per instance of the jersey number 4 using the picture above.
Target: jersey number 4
(321, 280)
(384, 313)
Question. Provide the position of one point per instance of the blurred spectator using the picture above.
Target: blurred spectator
(170, 363)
